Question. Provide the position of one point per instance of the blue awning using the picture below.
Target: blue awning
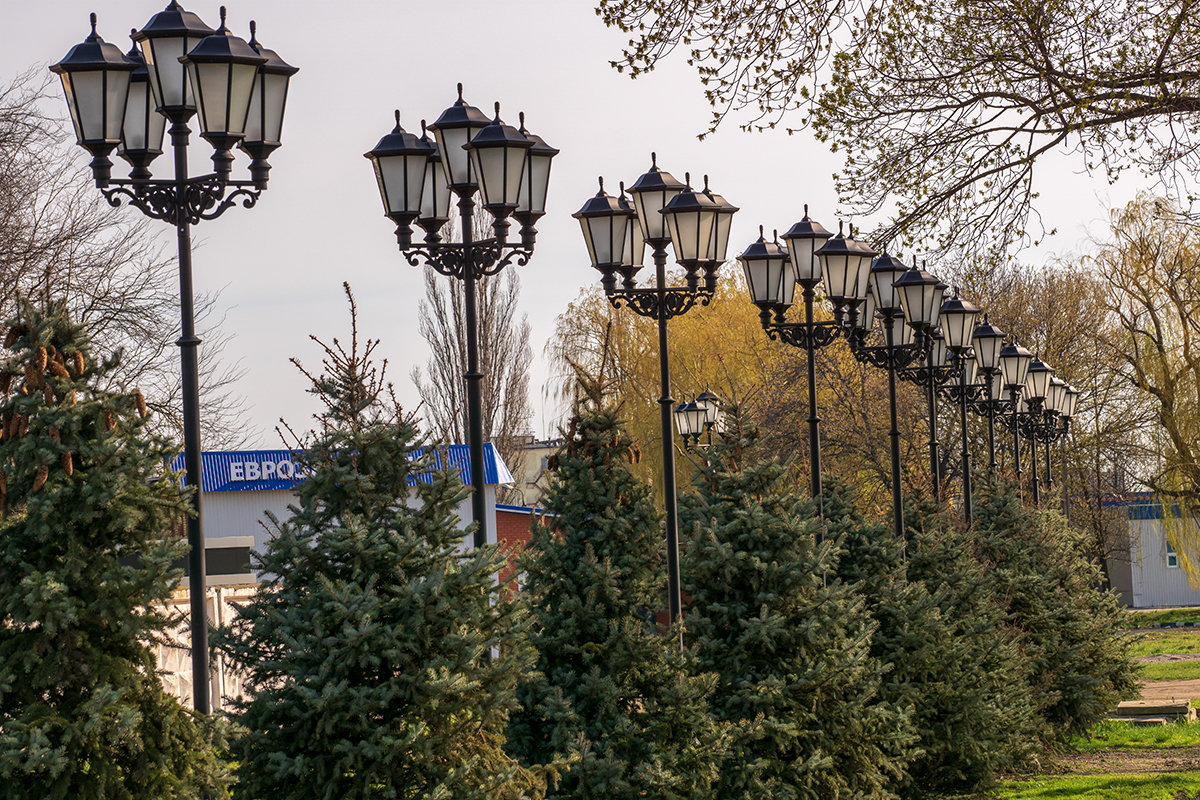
(274, 470)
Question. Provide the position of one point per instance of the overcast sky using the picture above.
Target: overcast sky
(280, 266)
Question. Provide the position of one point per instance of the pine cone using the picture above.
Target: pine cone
(110, 421)
(33, 378)
(140, 399)
(79, 365)
(68, 464)
(53, 433)
(42, 358)
(59, 370)
(6, 382)
(14, 333)
(47, 395)
(24, 426)
(14, 426)
(70, 398)
(39, 480)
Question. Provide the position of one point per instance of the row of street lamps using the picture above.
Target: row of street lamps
(180, 68)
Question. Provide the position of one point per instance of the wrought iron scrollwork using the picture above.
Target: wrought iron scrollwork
(798, 334)
(201, 198)
(883, 357)
(450, 258)
(667, 303)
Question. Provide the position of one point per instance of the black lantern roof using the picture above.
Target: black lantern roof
(807, 229)
(986, 330)
(460, 115)
(540, 148)
(956, 305)
(140, 72)
(223, 47)
(173, 21)
(275, 65)
(762, 250)
(499, 134)
(688, 200)
(93, 53)
(655, 179)
(603, 204)
(402, 143)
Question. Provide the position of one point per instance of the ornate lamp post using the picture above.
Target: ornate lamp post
(696, 225)
(699, 416)
(986, 342)
(124, 102)
(509, 168)
(921, 296)
(1037, 385)
(958, 324)
(1014, 364)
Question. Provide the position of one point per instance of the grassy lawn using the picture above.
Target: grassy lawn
(1161, 786)
(1125, 736)
(1171, 670)
(1144, 619)
(1186, 640)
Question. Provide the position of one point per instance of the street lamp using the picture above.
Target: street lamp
(696, 225)
(986, 341)
(699, 416)
(1037, 385)
(123, 102)
(921, 295)
(1014, 364)
(958, 324)
(510, 170)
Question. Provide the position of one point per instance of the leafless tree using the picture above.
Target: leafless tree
(59, 240)
(504, 356)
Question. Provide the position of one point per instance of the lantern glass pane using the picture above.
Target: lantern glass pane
(1014, 368)
(682, 420)
(939, 353)
(168, 76)
(264, 121)
(835, 271)
(690, 233)
(863, 277)
(997, 386)
(935, 304)
(535, 181)
(903, 334)
(85, 96)
(805, 266)
(970, 368)
(866, 314)
(634, 252)
(143, 126)
(885, 292)
(117, 87)
(719, 247)
(648, 205)
(210, 83)
(455, 161)
(400, 180)
(435, 196)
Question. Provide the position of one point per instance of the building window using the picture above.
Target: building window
(1172, 557)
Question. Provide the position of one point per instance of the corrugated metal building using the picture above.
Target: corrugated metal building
(1155, 577)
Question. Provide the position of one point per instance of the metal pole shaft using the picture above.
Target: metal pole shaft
(814, 422)
(1049, 474)
(991, 418)
(1033, 466)
(473, 377)
(966, 452)
(889, 323)
(935, 467)
(674, 595)
(188, 344)
(1016, 419)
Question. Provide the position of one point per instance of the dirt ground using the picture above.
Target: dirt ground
(1179, 759)
(1166, 691)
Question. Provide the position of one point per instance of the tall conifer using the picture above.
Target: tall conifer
(612, 692)
(87, 539)
(368, 649)
(791, 647)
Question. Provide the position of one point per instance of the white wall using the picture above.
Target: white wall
(1154, 583)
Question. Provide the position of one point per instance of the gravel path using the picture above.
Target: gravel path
(1166, 691)
(1178, 759)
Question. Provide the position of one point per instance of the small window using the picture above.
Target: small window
(1172, 557)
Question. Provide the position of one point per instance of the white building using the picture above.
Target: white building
(1153, 577)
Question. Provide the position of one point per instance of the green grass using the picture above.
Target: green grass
(1171, 670)
(1145, 619)
(1160, 786)
(1126, 736)
(1166, 641)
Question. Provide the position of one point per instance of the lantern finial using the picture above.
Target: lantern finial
(253, 36)
(806, 211)
(761, 234)
(497, 111)
(460, 101)
(223, 29)
(521, 117)
(653, 160)
(601, 184)
(94, 36)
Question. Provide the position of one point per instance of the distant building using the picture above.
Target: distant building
(239, 488)
(1152, 576)
(530, 473)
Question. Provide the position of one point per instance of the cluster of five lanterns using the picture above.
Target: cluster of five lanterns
(178, 67)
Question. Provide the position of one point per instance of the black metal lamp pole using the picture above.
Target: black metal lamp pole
(772, 285)
(966, 393)
(509, 168)
(696, 224)
(127, 111)
(921, 294)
